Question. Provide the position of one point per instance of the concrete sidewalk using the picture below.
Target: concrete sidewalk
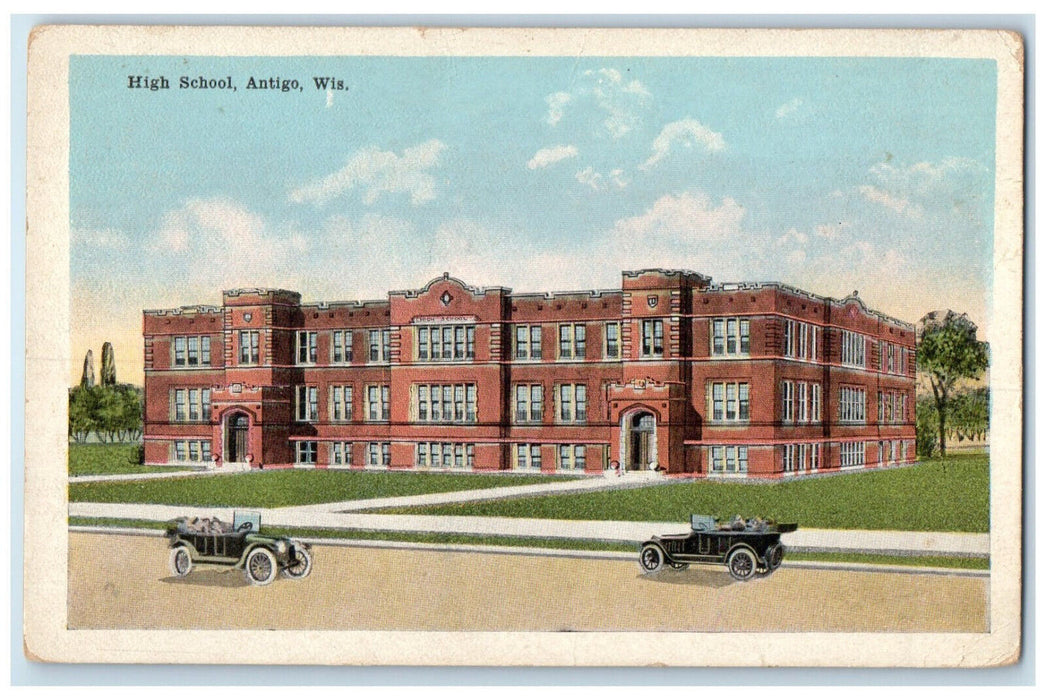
(853, 541)
(596, 483)
(137, 476)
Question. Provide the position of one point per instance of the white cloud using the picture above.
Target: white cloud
(106, 238)
(547, 156)
(378, 172)
(590, 177)
(898, 204)
(686, 132)
(220, 242)
(689, 218)
(618, 101)
(793, 235)
(830, 231)
(598, 182)
(556, 102)
(789, 108)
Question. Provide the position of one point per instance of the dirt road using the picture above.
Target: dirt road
(122, 582)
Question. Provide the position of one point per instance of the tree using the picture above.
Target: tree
(968, 417)
(925, 426)
(948, 351)
(83, 410)
(87, 378)
(108, 377)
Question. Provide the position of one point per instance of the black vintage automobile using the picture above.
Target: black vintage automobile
(239, 544)
(747, 547)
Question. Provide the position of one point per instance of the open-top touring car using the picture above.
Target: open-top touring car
(747, 547)
(239, 544)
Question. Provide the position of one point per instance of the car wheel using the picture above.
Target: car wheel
(260, 567)
(678, 566)
(301, 565)
(651, 559)
(775, 555)
(741, 564)
(181, 561)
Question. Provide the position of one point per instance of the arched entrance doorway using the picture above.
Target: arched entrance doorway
(640, 440)
(236, 430)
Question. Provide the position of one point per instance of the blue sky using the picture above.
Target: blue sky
(536, 173)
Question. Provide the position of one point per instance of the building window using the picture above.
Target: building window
(529, 403)
(815, 403)
(730, 336)
(851, 454)
(379, 454)
(800, 397)
(191, 351)
(573, 403)
(815, 457)
(191, 451)
(341, 403)
(248, 347)
(446, 403)
(191, 405)
(732, 459)
(881, 415)
(572, 457)
(612, 340)
(728, 401)
(306, 407)
(378, 402)
(341, 453)
(787, 401)
(789, 453)
(341, 347)
(445, 455)
(851, 404)
(572, 341)
(305, 452)
(179, 351)
(306, 347)
(528, 342)
(528, 457)
(652, 333)
(379, 349)
(446, 343)
(852, 349)
(800, 340)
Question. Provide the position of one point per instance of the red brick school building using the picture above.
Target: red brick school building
(668, 372)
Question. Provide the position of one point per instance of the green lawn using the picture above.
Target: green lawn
(288, 487)
(942, 496)
(580, 545)
(85, 460)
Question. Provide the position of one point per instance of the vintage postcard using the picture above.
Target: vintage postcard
(524, 347)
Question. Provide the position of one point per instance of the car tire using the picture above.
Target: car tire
(774, 556)
(260, 568)
(651, 559)
(302, 564)
(180, 561)
(742, 564)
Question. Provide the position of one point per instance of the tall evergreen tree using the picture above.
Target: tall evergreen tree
(87, 378)
(108, 377)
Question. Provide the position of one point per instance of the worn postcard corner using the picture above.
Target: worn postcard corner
(508, 347)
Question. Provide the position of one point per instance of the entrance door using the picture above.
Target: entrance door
(641, 441)
(236, 438)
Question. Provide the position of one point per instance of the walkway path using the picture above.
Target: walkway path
(609, 483)
(862, 541)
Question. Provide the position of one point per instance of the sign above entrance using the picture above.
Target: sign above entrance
(443, 319)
